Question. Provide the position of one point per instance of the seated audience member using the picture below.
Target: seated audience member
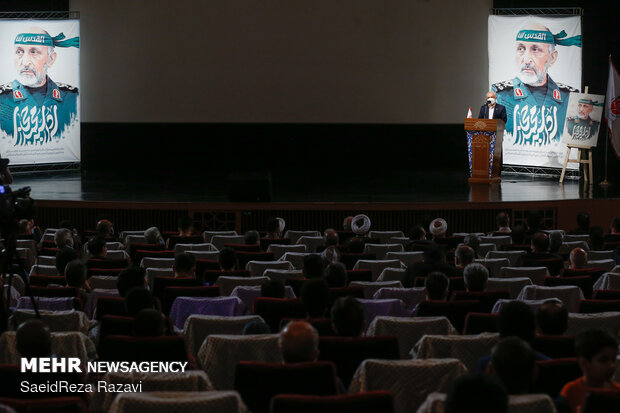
(540, 251)
(596, 353)
(615, 227)
(313, 266)
(76, 274)
(251, 237)
(555, 242)
(66, 223)
(473, 241)
(63, 238)
(577, 259)
(153, 236)
(438, 228)
(346, 223)
(129, 278)
(105, 228)
(597, 239)
(336, 275)
(347, 316)
(273, 229)
(256, 327)
(299, 342)
(476, 277)
(184, 265)
(149, 323)
(583, 224)
(272, 289)
(314, 297)
(330, 253)
(33, 339)
(463, 256)
(63, 258)
(534, 224)
(228, 259)
(514, 364)
(552, 318)
(185, 227)
(436, 284)
(417, 239)
(97, 247)
(434, 260)
(138, 299)
(503, 224)
(476, 393)
(356, 245)
(26, 229)
(518, 235)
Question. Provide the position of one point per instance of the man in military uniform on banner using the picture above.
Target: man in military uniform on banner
(582, 126)
(34, 109)
(535, 103)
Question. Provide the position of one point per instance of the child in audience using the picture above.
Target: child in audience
(596, 353)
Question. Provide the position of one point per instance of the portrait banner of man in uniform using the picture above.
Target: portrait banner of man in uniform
(39, 91)
(583, 119)
(534, 65)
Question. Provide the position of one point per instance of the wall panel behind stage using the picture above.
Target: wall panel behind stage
(311, 61)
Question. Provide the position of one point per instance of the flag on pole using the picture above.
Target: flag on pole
(469, 115)
(612, 108)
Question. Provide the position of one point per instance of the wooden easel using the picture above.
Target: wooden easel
(582, 150)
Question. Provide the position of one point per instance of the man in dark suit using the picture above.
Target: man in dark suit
(492, 109)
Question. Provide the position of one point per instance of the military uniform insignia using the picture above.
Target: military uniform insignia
(66, 87)
(56, 94)
(556, 94)
(518, 92)
(507, 84)
(6, 88)
(566, 88)
(18, 94)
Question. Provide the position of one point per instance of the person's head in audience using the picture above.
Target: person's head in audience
(63, 257)
(596, 352)
(256, 327)
(185, 226)
(313, 266)
(583, 222)
(555, 242)
(356, 245)
(105, 228)
(299, 342)
(434, 255)
(97, 247)
(518, 235)
(473, 241)
(540, 243)
(346, 223)
(577, 259)
(436, 284)
(33, 339)
(149, 323)
(502, 220)
(438, 228)
(476, 393)
(273, 228)
(24, 227)
(129, 278)
(615, 226)
(417, 233)
(228, 259)
(517, 319)
(463, 256)
(251, 237)
(331, 237)
(336, 275)
(597, 238)
(63, 238)
(347, 316)
(137, 299)
(476, 277)
(314, 297)
(534, 221)
(76, 274)
(513, 362)
(552, 318)
(184, 265)
(272, 289)
(153, 236)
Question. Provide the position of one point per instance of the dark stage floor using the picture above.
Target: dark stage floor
(433, 186)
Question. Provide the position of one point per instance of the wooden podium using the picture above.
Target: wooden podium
(484, 149)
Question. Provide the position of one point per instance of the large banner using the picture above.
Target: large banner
(39, 91)
(534, 64)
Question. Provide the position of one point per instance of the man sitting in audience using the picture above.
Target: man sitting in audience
(149, 323)
(105, 228)
(184, 265)
(514, 364)
(228, 259)
(63, 258)
(614, 231)
(251, 238)
(434, 260)
(438, 228)
(273, 229)
(436, 284)
(76, 275)
(518, 235)
(185, 227)
(347, 316)
(97, 247)
(596, 353)
(555, 242)
(503, 224)
(63, 238)
(463, 256)
(540, 253)
(313, 266)
(138, 299)
(129, 278)
(473, 241)
(577, 259)
(583, 224)
(417, 238)
(552, 318)
(272, 289)
(476, 277)
(336, 275)
(597, 239)
(153, 236)
(314, 297)
(476, 393)
(330, 253)
(299, 342)
(33, 339)
(346, 223)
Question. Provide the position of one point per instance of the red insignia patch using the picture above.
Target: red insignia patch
(518, 92)
(18, 94)
(56, 94)
(556, 94)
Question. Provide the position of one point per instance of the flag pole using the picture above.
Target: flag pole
(605, 182)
